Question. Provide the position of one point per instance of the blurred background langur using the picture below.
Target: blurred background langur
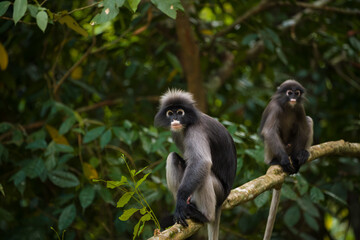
(287, 133)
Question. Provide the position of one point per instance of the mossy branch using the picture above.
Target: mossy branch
(273, 178)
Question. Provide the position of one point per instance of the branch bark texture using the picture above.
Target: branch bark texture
(273, 178)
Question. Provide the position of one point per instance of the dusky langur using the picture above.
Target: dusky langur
(202, 178)
(287, 133)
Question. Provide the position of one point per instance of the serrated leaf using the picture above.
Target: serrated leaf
(67, 217)
(66, 125)
(128, 213)
(124, 199)
(292, 216)
(89, 171)
(72, 24)
(4, 7)
(42, 20)
(262, 199)
(20, 7)
(316, 195)
(86, 196)
(93, 134)
(169, 7)
(105, 138)
(311, 222)
(114, 184)
(63, 179)
(4, 58)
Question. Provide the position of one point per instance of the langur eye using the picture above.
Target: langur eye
(180, 112)
(169, 113)
(289, 92)
(297, 93)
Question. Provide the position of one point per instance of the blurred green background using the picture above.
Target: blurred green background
(80, 83)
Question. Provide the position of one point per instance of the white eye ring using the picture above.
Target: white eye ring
(297, 93)
(180, 112)
(169, 113)
(289, 92)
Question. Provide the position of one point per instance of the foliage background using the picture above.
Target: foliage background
(75, 97)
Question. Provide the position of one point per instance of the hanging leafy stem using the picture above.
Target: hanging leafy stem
(131, 190)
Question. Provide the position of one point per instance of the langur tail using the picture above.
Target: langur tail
(272, 213)
(213, 227)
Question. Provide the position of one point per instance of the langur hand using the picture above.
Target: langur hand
(286, 165)
(181, 212)
(302, 156)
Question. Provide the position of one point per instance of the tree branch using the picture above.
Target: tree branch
(273, 179)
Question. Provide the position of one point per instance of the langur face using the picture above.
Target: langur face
(176, 117)
(294, 96)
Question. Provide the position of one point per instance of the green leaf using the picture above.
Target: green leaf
(93, 134)
(86, 196)
(302, 185)
(114, 184)
(354, 42)
(35, 168)
(4, 7)
(281, 55)
(66, 125)
(128, 213)
(335, 197)
(63, 148)
(42, 20)
(249, 38)
(168, 7)
(106, 195)
(292, 216)
(141, 181)
(38, 144)
(306, 204)
(2, 190)
(141, 170)
(288, 192)
(33, 10)
(4, 127)
(67, 217)
(262, 199)
(20, 7)
(316, 195)
(63, 179)
(124, 199)
(132, 4)
(311, 222)
(136, 229)
(105, 138)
